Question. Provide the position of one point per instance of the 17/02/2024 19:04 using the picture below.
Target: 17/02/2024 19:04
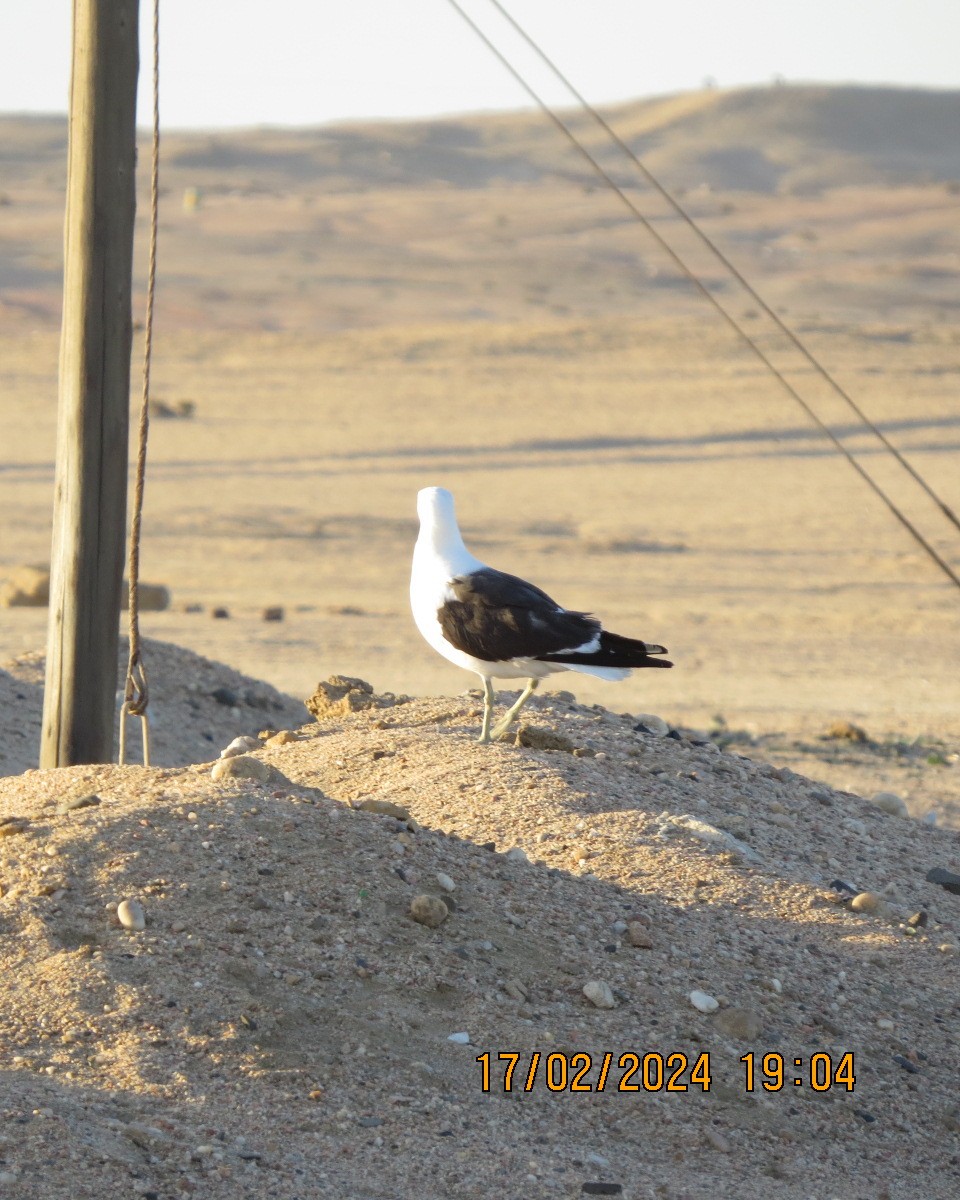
(654, 1072)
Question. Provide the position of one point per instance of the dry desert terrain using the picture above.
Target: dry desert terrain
(346, 315)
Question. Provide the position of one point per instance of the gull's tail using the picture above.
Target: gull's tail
(614, 658)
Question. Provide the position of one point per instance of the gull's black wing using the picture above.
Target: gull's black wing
(496, 617)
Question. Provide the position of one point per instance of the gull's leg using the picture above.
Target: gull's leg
(487, 709)
(510, 715)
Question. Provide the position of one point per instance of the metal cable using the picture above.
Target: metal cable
(707, 295)
(734, 271)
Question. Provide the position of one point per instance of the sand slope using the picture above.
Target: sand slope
(196, 707)
(281, 1026)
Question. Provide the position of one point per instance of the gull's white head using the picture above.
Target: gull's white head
(439, 533)
(435, 507)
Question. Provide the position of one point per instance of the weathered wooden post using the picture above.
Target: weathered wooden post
(89, 517)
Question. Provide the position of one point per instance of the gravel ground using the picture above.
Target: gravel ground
(281, 1026)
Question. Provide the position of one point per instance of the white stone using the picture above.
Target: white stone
(599, 994)
(703, 1002)
(131, 915)
(239, 745)
(461, 1039)
(240, 766)
(445, 882)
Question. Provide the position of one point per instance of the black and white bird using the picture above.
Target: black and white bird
(502, 627)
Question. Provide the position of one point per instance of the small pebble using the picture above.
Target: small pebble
(239, 745)
(282, 737)
(947, 879)
(516, 855)
(241, 766)
(461, 1039)
(890, 803)
(131, 915)
(703, 1002)
(599, 994)
(428, 910)
(716, 1140)
(383, 808)
(639, 936)
(446, 882)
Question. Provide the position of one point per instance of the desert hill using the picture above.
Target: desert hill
(783, 139)
(796, 138)
(838, 197)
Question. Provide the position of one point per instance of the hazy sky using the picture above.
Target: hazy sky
(249, 62)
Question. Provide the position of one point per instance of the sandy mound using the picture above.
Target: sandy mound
(282, 1026)
(196, 707)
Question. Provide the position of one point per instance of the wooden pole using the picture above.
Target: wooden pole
(89, 517)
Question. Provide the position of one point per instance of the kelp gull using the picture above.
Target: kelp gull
(500, 626)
